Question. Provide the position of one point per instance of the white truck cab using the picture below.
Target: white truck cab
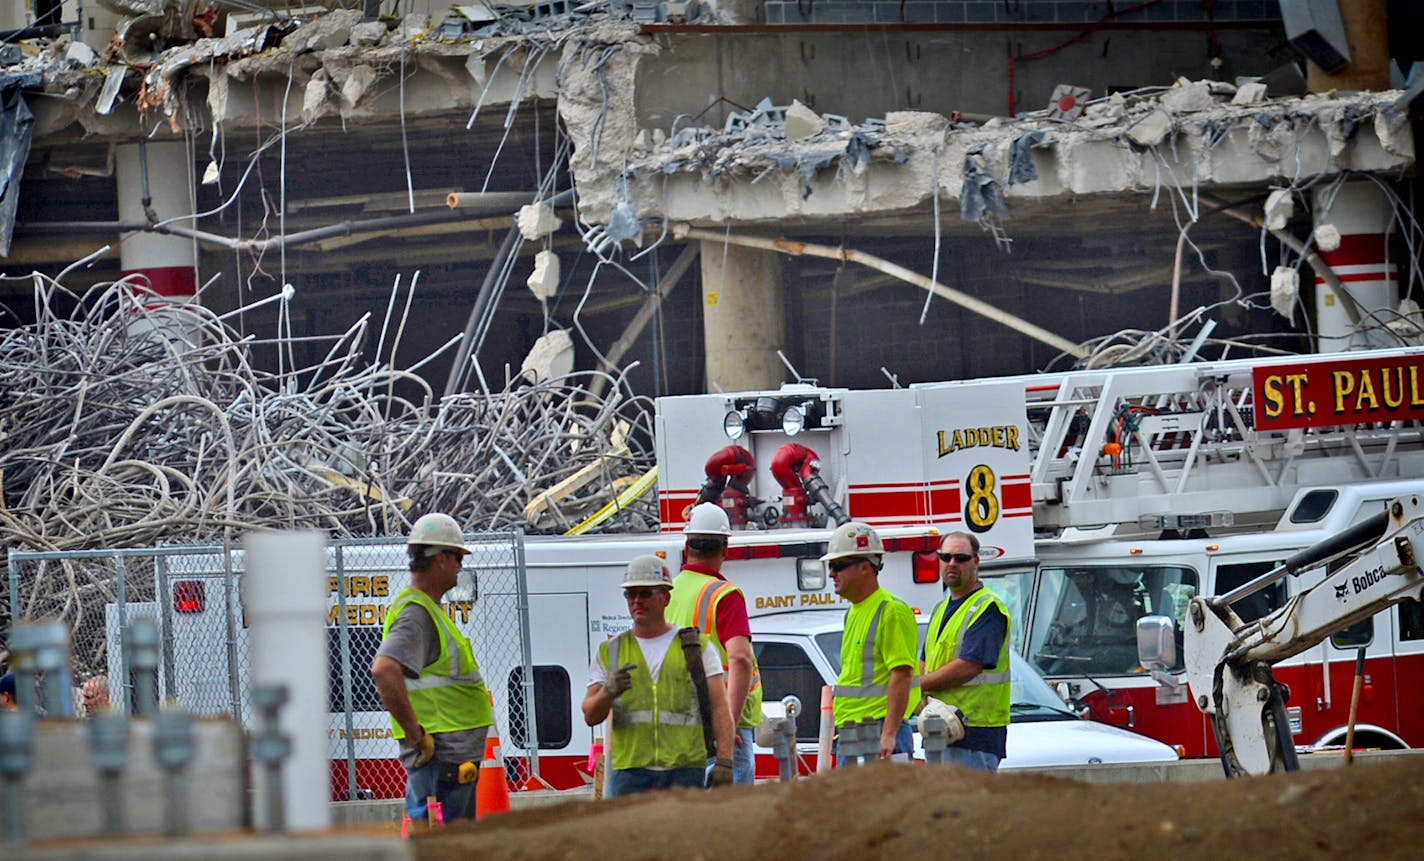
(799, 652)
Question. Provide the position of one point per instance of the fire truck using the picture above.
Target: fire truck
(1098, 497)
(1142, 488)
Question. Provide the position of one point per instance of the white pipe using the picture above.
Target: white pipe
(284, 593)
(825, 757)
(962, 299)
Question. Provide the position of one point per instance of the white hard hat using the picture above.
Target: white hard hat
(438, 530)
(854, 539)
(951, 715)
(708, 518)
(647, 570)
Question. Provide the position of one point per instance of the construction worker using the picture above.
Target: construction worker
(429, 681)
(703, 599)
(8, 700)
(645, 678)
(877, 677)
(965, 663)
(96, 695)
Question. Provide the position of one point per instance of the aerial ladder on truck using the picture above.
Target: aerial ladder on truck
(1224, 444)
(1228, 661)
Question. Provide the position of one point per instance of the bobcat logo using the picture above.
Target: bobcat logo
(1340, 590)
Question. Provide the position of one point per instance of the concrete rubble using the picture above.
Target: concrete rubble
(1190, 134)
(769, 163)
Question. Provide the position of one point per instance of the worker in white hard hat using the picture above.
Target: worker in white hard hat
(965, 662)
(655, 678)
(877, 677)
(429, 680)
(703, 599)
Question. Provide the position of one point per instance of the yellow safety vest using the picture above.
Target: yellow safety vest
(863, 688)
(984, 699)
(694, 602)
(450, 694)
(655, 724)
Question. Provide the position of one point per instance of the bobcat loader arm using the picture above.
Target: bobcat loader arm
(1228, 662)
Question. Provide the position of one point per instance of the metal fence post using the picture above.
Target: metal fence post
(233, 683)
(14, 585)
(521, 585)
(121, 597)
(343, 634)
(165, 625)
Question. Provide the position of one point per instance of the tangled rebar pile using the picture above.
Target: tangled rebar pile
(125, 427)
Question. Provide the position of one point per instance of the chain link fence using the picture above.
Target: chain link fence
(194, 596)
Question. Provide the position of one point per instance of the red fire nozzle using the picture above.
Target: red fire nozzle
(798, 470)
(726, 465)
(792, 464)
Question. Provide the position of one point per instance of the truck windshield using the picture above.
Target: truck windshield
(1086, 617)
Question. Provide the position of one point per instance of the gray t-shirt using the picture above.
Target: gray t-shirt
(414, 643)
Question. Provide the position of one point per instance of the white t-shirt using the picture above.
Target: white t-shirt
(654, 650)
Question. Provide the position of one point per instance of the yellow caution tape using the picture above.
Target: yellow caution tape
(620, 502)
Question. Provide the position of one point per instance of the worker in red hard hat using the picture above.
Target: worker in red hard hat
(703, 599)
(429, 680)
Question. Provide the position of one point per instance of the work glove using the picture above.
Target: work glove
(620, 681)
(721, 774)
(424, 749)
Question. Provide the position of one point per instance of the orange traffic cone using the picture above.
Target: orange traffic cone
(492, 792)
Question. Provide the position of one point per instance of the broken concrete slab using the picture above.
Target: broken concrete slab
(752, 181)
(1250, 94)
(802, 122)
(356, 85)
(537, 220)
(315, 97)
(368, 34)
(331, 30)
(1188, 98)
(543, 282)
(1279, 208)
(1150, 130)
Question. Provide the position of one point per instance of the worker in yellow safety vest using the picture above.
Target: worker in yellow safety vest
(877, 677)
(426, 674)
(664, 688)
(966, 658)
(703, 599)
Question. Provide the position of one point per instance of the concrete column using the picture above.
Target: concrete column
(1362, 214)
(163, 268)
(1367, 34)
(744, 319)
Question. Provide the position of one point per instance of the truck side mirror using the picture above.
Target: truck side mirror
(1157, 642)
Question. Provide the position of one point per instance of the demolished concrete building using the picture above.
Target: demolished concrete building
(860, 185)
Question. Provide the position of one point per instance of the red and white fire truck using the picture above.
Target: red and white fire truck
(1143, 486)
(1098, 496)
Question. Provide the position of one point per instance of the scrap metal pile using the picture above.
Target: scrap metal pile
(116, 433)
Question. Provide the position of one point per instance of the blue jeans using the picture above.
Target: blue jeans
(743, 759)
(457, 800)
(904, 741)
(630, 781)
(979, 760)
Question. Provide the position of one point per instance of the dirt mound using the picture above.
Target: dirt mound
(1371, 810)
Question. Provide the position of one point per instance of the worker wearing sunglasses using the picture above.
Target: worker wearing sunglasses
(876, 680)
(965, 662)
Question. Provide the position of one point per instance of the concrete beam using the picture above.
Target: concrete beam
(755, 180)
